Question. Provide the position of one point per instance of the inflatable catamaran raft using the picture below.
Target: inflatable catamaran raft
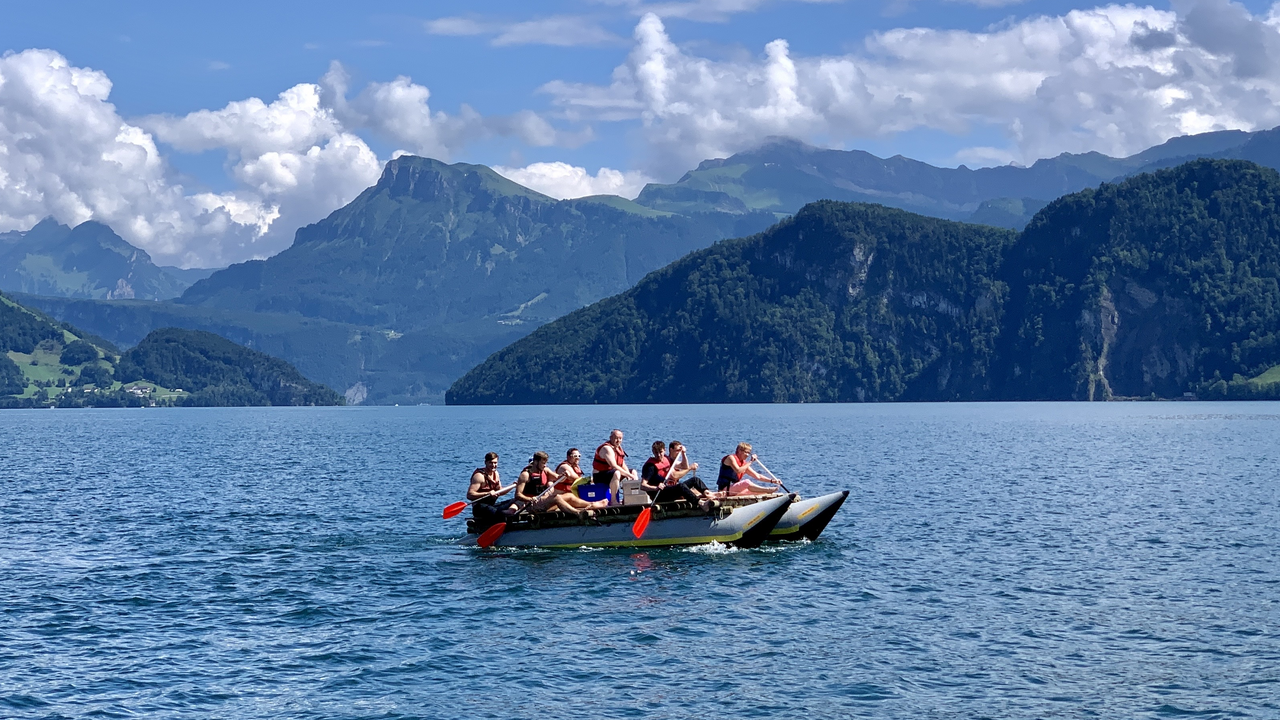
(746, 522)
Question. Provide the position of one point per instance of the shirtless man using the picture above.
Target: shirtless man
(486, 485)
(609, 466)
(536, 492)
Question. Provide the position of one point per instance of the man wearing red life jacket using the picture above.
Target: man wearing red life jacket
(662, 481)
(609, 466)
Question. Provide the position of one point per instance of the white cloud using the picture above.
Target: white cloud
(66, 152)
(559, 30)
(1115, 79)
(562, 180)
(294, 160)
(399, 112)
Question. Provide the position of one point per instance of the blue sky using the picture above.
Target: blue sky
(218, 176)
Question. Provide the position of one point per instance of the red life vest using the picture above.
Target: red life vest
(570, 478)
(661, 467)
(534, 487)
(726, 465)
(598, 465)
(489, 484)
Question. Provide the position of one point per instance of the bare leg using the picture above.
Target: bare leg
(746, 487)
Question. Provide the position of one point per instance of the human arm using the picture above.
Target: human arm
(751, 470)
(611, 459)
(681, 467)
(650, 481)
(745, 468)
(477, 481)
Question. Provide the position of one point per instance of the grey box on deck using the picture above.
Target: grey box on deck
(632, 494)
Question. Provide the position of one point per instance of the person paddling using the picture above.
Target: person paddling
(535, 491)
(682, 469)
(660, 482)
(609, 466)
(734, 467)
(486, 485)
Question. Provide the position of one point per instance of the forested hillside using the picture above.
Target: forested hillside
(843, 302)
(1161, 285)
(215, 371)
(46, 363)
(396, 295)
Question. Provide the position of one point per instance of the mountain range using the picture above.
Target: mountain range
(783, 175)
(1163, 285)
(435, 267)
(87, 261)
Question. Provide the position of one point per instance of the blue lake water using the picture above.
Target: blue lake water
(1004, 561)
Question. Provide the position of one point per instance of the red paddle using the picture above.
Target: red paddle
(490, 536)
(642, 521)
(455, 509)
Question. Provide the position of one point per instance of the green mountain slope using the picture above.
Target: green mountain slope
(842, 302)
(393, 297)
(218, 372)
(454, 261)
(1164, 284)
(436, 245)
(1156, 285)
(87, 261)
(44, 362)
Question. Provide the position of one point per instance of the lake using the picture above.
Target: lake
(993, 560)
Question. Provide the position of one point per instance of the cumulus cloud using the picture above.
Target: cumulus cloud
(1116, 78)
(399, 111)
(66, 152)
(562, 180)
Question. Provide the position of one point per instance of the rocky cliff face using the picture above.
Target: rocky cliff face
(1152, 286)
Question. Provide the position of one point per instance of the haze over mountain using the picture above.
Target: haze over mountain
(87, 261)
(1164, 284)
(784, 175)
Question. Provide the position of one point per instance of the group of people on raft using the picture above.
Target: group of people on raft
(667, 476)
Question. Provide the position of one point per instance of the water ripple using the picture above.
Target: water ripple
(1011, 561)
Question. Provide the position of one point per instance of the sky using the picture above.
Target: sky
(208, 134)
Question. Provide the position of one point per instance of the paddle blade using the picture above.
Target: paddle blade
(641, 524)
(454, 509)
(490, 536)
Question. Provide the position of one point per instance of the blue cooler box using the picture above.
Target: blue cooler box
(591, 492)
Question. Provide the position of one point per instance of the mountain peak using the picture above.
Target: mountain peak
(428, 179)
